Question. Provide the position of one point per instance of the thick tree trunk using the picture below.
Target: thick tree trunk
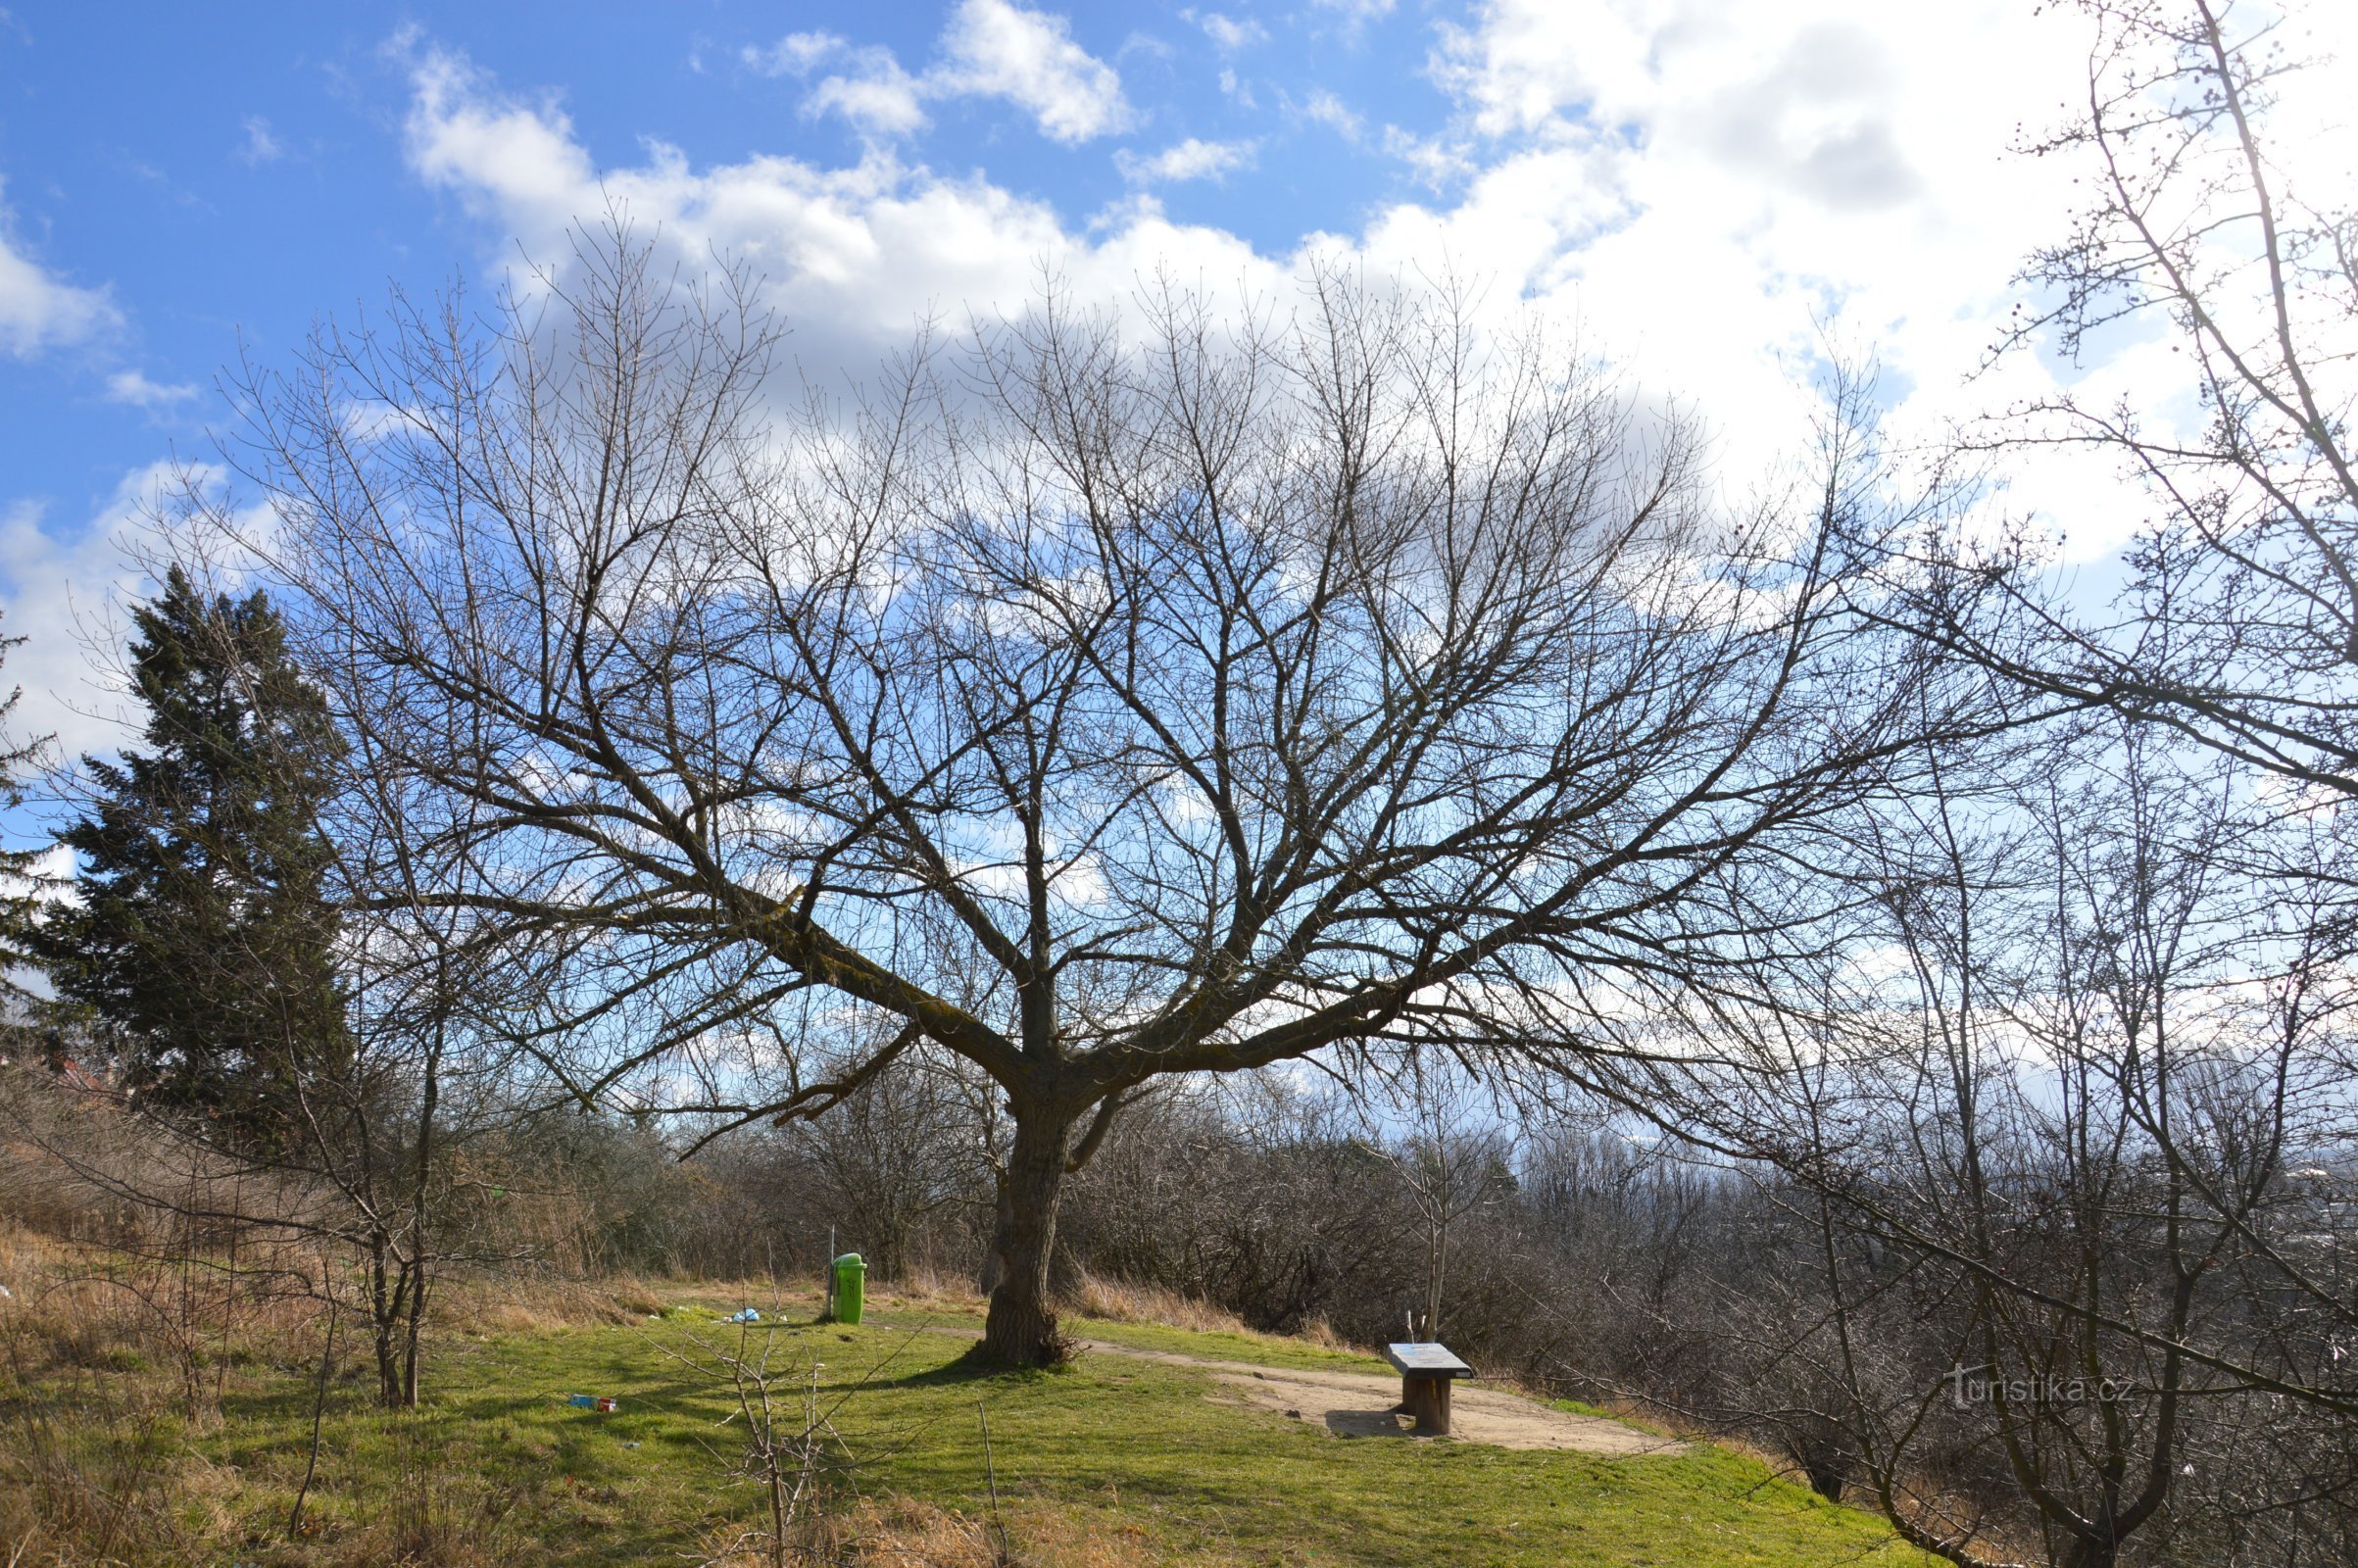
(1021, 1331)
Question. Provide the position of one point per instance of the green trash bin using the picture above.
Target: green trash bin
(851, 1277)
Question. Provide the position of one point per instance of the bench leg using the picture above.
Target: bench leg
(1426, 1400)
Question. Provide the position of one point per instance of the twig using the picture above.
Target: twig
(318, 1408)
(991, 1474)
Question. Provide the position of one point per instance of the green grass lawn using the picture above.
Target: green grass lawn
(1114, 1447)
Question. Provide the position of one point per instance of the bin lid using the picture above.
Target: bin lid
(851, 1260)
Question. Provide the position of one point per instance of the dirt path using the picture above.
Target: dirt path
(1358, 1404)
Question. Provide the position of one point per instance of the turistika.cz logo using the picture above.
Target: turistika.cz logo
(1972, 1385)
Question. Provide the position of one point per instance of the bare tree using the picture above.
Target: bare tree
(1451, 1151)
(2239, 626)
(431, 994)
(904, 1147)
(316, 1125)
(1090, 703)
(2039, 1145)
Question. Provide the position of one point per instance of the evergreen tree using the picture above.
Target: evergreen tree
(203, 940)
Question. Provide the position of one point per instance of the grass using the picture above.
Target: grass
(1113, 1461)
(1227, 1341)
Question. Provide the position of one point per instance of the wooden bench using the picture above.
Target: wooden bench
(1426, 1373)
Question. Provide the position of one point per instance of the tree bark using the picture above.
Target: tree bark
(384, 1320)
(1022, 1330)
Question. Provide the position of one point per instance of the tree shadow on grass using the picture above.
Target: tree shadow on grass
(972, 1366)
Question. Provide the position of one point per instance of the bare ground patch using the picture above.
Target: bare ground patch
(1359, 1404)
(1356, 1404)
(1351, 1406)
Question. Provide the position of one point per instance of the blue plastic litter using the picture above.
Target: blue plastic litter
(745, 1315)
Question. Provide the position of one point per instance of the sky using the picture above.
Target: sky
(1704, 190)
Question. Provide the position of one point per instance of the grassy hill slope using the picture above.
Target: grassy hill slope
(1116, 1461)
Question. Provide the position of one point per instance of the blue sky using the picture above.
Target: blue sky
(1694, 185)
(223, 174)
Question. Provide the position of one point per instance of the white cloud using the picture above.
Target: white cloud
(1688, 262)
(61, 596)
(505, 160)
(881, 100)
(1434, 161)
(797, 54)
(134, 387)
(853, 256)
(989, 49)
(997, 49)
(1227, 33)
(260, 146)
(1323, 108)
(876, 96)
(41, 311)
(1711, 180)
(1192, 158)
(1699, 184)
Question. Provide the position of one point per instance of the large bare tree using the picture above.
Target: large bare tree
(1095, 696)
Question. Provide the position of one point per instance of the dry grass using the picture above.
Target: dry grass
(1116, 1302)
(538, 1304)
(903, 1533)
(925, 1286)
(30, 1257)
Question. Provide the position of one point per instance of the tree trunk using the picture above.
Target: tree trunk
(888, 1246)
(2092, 1552)
(387, 1335)
(414, 1320)
(1021, 1331)
(1437, 1260)
(384, 1321)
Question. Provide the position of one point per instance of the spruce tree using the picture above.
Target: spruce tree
(201, 940)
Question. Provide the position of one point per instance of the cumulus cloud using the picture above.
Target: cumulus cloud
(867, 88)
(39, 309)
(507, 160)
(1434, 161)
(995, 49)
(1714, 181)
(1818, 121)
(1702, 185)
(1680, 257)
(989, 49)
(878, 98)
(61, 594)
(1192, 158)
(855, 255)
